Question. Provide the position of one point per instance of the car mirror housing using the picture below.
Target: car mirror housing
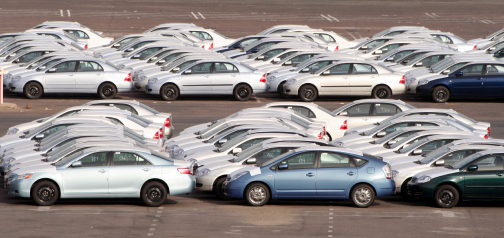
(39, 136)
(288, 62)
(304, 70)
(222, 141)
(188, 71)
(236, 150)
(390, 59)
(261, 57)
(446, 71)
(381, 134)
(136, 56)
(283, 166)
(459, 74)
(345, 113)
(77, 164)
(472, 168)
(418, 64)
(251, 161)
(53, 70)
(440, 162)
(391, 142)
(417, 152)
(378, 52)
(327, 72)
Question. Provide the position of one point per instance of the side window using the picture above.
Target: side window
(95, 159)
(393, 33)
(301, 161)
(396, 127)
(29, 57)
(203, 68)
(303, 111)
(359, 110)
(300, 59)
(428, 61)
(390, 47)
(340, 69)
(268, 55)
(492, 162)
(429, 147)
(284, 55)
(115, 121)
(221, 68)
(235, 134)
(68, 66)
(443, 39)
(78, 34)
(247, 42)
(473, 70)
(326, 37)
(422, 124)
(335, 160)
(126, 107)
(268, 154)
(52, 130)
(126, 158)
(373, 44)
(149, 51)
(87, 66)
(401, 54)
(55, 36)
(265, 45)
(316, 66)
(494, 69)
(452, 158)
(384, 109)
(250, 143)
(363, 69)
(202, 35)
(404, 135)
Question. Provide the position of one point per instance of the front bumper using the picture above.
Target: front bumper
(19, 188)
(151, 89)
(205, 183)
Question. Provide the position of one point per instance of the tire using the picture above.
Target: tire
(440, 94)
(446, 196)
(404, 190)
(218, 188)
(308, 93)
(242, 92)
(257, 194)
(45, 193)
(362, 195)
(169, 92)
(280, 91)
(33, 90)
(382, 92)
(107, 91)
(154, 194)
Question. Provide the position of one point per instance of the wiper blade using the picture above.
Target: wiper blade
(417, 162)
(448, 167)
(397, 152)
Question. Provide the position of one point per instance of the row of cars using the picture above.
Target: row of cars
(281, 150)
(177, 59)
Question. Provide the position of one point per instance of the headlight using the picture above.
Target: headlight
(178, 152)
(142, 78)
(12, 131)
(395, 173)
(291, 81)
(8, 76)
(151, 80)
(271, 78)
(423, 179)
(338, 143)
(17, 78)
(24, 176)
(121, 66)
(239, 175)
(423, 81)
(203, 172)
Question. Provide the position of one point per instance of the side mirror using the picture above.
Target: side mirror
(161, 61)
(254, 51)
(446, 71)
(77, 164)
(117, 45)
(381, 134)
(418, 64)
(327, 72)
(188, 71)
(222, 141)
(17, 60)
(236, 150)
(288, 62)
(130, 49)
(275, 60)
(136, 56)
(378, 52)
(251, 161)
(391, 142)
(345, 113)
(176, 69)
(459, 74)
(390, 59)
(364, 47)
(440, 162)
(237, 46)
(491, 49)
(417, 152)
(472, 168)
(261, 57)
(39, 136)
(283, 166)
(51, 70)
(303, 70)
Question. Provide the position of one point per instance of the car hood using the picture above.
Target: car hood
(360, 129)
(9, 140)
(215, 160)
(194, 129)
(436, 172)
(35, 169)
(405, 160)
(201, 153)
(350, 138)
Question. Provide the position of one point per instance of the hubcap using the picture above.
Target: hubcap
(45, 194)
(441, 94)
(169, 92)
(33, 90)
(257, 195)
(308, 93)
(107, 91)
(446, 197)
(243, 92)
(382, 93)
(154, 194)
(363, 196)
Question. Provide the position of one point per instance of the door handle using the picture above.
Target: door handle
(102, 171)
(310, 174)
(145, 169)
(479, 78)
(499, 174)
(98, 74)
(234, 75)
(206, 76)
(351, 173)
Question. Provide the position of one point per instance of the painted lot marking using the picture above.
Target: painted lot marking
(201, 15)
(333, 18)
(430, 15)
(194, 15)
(68, 11)
(61, 12)
(327, 18)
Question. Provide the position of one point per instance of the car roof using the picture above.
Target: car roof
(329, 148)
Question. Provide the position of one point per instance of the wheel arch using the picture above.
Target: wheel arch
(155, 180)
(31, 81)
(440, 84)
(311, 84)
(459, 190)
(265, 184)
(215, 181)
(238, 84)
(361, 183)
(45, 179)
(278, 87)
(382, 84)
(108, 81)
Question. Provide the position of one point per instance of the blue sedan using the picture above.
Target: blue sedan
(313, 172)
(474, 80)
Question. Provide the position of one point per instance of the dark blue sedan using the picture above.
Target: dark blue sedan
(474, 80)
(313, 172)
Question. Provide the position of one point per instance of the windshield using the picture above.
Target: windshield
(248, 152)
(340, 109)
(412, 58)
(435, 154)
(269, 162)
(69, 158)
(60, 151)
(47, 64)
(413, 146)
(217, 124)
(36, 130)
(325, 110)
(396, 135)
(466, 161)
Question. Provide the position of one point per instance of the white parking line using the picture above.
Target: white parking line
(327, 18)
(352, 35)
(201, 15)
(357, 33)
(61, 12)
(194, 15)
(430, 15)
(434, 14)
(68, 11)
(333, 18)
(484, 21)
(152, 229)
(43, 208)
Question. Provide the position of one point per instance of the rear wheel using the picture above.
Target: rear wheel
(45, 193)
(169, 92)
(362, 195)
(308, 93)
(440, 94)
(257, 194)
(107, 91)
(33, 90)
(382, 92)
(154, 194)
(446, 196)
(218, 188)
(242, 92)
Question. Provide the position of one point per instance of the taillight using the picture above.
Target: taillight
(211, 47)
(167, 122)
(85, 47)
(474, 48)
(160, 133)
(203, 46)
(488, 129)
(403, 80)
(156, 136)
(263, 79)
(325, 132)
(386, 170)
(337, 48)
(184, 171)
(486, 136)
(128, 78)
(344, 126)
(319, 136)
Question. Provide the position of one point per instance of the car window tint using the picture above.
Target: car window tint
(265, 45)
(126, 158)
(235, 134)
(335, 160)
(404, 135)
(396, 127)
(495, 69)
(268, 55)
(141, 44)
(326, 37)
(247, 42)
(86, 66)
(278, 31)
(70, 113)
(454, 157)
(221, 68)
(301, 161)
(300, 59)
(251, 143)
(401, 54)
(373, 44)
(78, 34)
(203, 68)
(340, 69)
(429, 147)
(29, 57)
(359, 110)
(51, 130)
(363, 69)
(390, 47)
(492, 162)
(443, 39)
(393, 33)
(473, 70)
(116, 121)
(95, 159)
(428, 61)
(68, 66)
(385, 109)
(202, 35)
(147, 52)
(318, 65)
(126, 107)
(265, 155)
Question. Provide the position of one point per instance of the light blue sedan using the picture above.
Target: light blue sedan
(107, 172)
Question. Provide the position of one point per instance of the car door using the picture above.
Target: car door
(60, 78)
(197, 79)
(493, 81)
(335, 175)
(224, 77)
(88, 76)
(382, 111)
(362, 79)
(128, 171)
(487, 181)
(298, 180)
(358, 115)
(336, 82)
(89, 179)
(469, 83)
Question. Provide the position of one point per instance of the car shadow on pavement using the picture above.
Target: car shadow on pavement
(398, 200)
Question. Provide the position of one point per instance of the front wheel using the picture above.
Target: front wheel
(382, 92)
(218, 188)
(33, 90)
(107, 91)
(281, 92)
(169, 92)
(308, 93)
(446, 196)
(242, 92)
(257, 194)
(45, 193)
(362, 195)
(154, 194)
(440, 94)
